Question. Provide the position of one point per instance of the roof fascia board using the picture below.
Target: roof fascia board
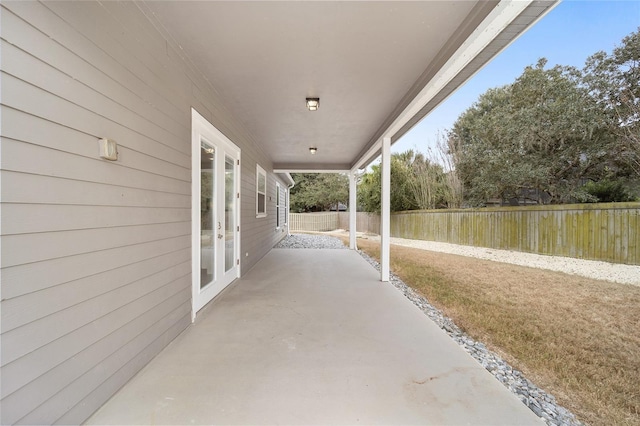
(496, 22)
(483, 59)
(285, 176)
(479, 13)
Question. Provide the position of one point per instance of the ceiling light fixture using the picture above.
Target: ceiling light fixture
(313, 104)
(313, 150)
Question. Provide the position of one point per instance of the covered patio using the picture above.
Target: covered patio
(313, 337)
(146, 156)
(372, 71)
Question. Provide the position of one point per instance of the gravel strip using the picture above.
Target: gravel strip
(619, 273)
(306, 241)
(614, 272)
(540, 402)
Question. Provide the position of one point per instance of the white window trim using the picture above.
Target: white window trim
(278, 205)
(259, 171)
(286, 206)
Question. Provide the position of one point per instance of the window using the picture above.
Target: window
(286, 205)
(261, 192)
(278, 212)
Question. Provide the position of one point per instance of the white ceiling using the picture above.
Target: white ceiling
(364, 60)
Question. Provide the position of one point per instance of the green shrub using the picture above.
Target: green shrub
(607, 191)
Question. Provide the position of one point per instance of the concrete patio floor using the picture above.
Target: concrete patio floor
(313, 337)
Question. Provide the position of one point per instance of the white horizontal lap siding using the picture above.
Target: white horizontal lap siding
(96, 255)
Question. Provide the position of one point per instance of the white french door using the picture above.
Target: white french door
(215, 212)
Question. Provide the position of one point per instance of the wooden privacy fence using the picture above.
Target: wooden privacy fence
(326, 221)
(329, 221)
(608, 232)
(365, 222)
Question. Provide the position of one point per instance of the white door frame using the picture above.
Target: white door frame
(202, 129)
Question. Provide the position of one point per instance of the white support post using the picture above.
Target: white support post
(353, 208)
(385, 210)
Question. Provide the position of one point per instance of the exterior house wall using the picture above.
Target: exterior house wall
(95, 264)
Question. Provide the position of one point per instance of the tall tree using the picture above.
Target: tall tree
(418, 181)
(318, 191)
(545, 132)
(614, 80)
(369, 188)
(448, 154)
(426, 179)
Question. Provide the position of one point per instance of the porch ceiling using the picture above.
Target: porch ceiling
(366, 61)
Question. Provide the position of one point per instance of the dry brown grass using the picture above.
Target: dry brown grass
(575, 337)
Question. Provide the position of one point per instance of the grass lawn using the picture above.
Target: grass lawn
(575, 337)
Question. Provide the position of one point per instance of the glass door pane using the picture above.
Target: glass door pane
(207, 214)
(229, 212)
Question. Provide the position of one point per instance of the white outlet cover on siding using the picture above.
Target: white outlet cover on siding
(108, 149)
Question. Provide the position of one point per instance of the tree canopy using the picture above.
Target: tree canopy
(614, 81)
(553, 130)
(543, 132)
(417, 182)
(318, 191)
(369, 188)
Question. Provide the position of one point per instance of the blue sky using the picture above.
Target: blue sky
(568, 35)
